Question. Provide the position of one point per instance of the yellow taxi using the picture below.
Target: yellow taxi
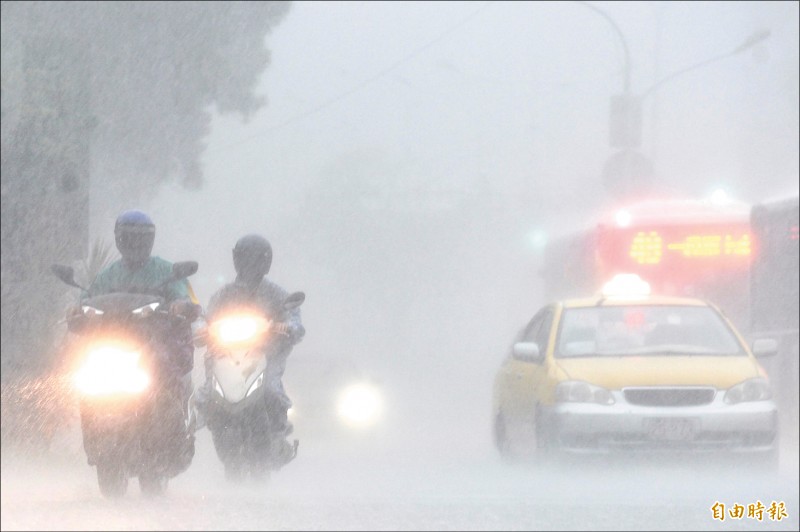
(627, 370)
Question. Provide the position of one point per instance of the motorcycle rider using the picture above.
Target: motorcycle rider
(252, 258)
(139, 272)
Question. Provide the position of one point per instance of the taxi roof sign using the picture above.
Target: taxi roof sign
(626, 285)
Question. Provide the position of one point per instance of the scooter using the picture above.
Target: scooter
(239, 345)
(135, 417)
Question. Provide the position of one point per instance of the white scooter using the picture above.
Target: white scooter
(239, 345)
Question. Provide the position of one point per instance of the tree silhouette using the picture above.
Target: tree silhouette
(110, 95)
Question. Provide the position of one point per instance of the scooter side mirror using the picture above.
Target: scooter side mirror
(182, 270)
(66, 274)
(294, 300)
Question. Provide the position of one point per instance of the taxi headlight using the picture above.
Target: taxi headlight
(582, 392)
(757, 389)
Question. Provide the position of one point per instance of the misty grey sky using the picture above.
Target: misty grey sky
(507, 96)
(516, 91)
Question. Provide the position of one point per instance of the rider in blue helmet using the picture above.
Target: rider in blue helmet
(140, 272)
(137, 271)
(134, 234)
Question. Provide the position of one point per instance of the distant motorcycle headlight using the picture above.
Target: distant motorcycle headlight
(360, 405)
(757, 389)
(111, 370)
(582, 392)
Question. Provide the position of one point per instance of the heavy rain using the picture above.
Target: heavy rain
(413, 166)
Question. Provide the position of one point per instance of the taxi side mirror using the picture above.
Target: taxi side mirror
(765, 347)
(527, 352)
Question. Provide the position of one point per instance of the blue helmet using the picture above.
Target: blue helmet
(134, 234)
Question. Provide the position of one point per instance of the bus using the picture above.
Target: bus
(776, 268)
(681, 247)
(774, 295)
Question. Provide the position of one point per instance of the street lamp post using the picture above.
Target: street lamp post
(627, 108)
(627, 85)
(628, 170)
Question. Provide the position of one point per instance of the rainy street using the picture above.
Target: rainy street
(429, 228)
(433, 473)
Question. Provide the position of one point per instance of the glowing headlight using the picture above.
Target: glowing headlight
(111, 370)
(582, 392)
(750, 390)
(236, 329)
(360, 405)
(145, 310)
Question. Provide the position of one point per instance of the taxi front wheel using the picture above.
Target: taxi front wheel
(500, 433)
(544, 434)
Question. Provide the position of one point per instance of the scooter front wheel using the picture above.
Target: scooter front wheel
(112, 479)
(234, 472)
(153, 484)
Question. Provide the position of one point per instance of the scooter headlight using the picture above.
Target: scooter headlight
(109, 370)
(253, 387)
(238, 329)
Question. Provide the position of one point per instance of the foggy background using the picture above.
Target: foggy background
(408, 164)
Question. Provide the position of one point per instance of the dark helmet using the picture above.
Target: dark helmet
(134, 234)
(252, 258)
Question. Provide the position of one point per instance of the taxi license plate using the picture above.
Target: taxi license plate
(669, 429)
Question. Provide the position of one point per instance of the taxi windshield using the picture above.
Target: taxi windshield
(644, 330)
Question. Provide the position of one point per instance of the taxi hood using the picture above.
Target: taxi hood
(616, 372)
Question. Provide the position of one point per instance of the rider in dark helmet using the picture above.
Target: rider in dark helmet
(252, 258)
